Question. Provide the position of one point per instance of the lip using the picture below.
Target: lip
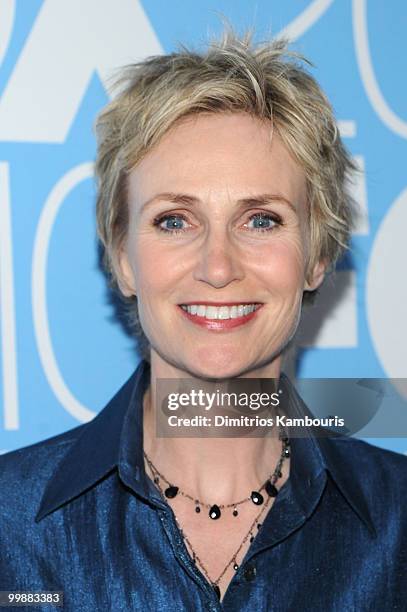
(219, 324)
(218, 303)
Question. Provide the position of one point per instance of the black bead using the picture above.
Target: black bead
(171, 491)
(235, 567)
(197, 509)
(257, 498)
(271, 489)
(235, 512)
(252, 538)
(156, 480)
(217, 590)
(258, 525)
(286, 452)
(214, 512)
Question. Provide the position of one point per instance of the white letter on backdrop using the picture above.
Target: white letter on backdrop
(305, 20)
(7, 12)
(39, 287)
(7, 310)
(377, 100)
(386, 290)
(69, 41)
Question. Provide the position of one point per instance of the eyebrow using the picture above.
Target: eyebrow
(252, 201)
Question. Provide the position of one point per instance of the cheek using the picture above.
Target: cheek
(156, 266)
(282, 265)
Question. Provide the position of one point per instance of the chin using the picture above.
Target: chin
(211, 373)
(219, 364)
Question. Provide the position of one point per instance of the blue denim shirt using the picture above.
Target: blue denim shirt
(79, 515)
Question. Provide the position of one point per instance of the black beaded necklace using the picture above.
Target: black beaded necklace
(215, 510)
(170, 491)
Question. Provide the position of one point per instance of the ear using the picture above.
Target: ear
(124, 273)
(315, 276)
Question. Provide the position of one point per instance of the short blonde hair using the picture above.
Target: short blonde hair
(233, 74)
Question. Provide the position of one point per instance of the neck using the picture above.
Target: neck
(212, 469)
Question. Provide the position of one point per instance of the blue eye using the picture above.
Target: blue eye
(170, 223)
(262, 222)
(177, 223)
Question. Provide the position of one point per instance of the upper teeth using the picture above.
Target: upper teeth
(220, 312)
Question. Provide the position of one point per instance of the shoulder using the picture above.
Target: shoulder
(17, 462)
(366, 456)
(25, 472)
(377, 475)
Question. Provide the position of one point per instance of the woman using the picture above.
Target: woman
(221, 206)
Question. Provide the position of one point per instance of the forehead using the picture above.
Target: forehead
(210, 154)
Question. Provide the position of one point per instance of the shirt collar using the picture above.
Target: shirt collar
(99, 448)
(311, 455)
(113, 440)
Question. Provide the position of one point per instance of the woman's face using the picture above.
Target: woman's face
(217, 245)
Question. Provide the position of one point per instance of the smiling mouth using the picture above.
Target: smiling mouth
(222, 312)
(220, 317)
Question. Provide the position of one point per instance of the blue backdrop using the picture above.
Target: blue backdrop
(63, 354)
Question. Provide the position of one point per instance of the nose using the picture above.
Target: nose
(219, 262)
